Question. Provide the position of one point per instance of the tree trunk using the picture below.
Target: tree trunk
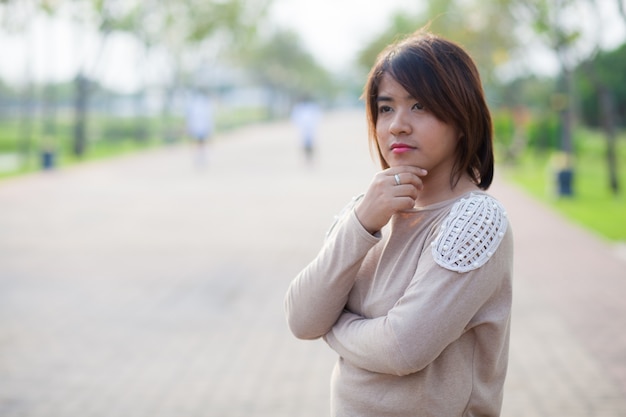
(607, 118)
(27, 118)
(565, 174)
(621, 8)
(567, 114)
(80, 108)
(607, 110)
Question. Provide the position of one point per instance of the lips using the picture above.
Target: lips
(401, 148)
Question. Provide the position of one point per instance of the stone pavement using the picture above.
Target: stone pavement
(149, 286)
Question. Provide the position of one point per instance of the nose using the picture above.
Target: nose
(400, 123)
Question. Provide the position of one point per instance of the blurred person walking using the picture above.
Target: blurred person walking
(413, 285)
(306, 115)
(200, 124)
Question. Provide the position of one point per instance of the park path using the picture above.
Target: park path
(151, 286)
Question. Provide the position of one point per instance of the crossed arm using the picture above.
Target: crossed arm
(436, 308)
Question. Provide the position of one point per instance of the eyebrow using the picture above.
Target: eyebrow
(387, 99)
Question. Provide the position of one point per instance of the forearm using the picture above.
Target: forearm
(318, 295)
(438, 306)
(367, 343)
(431, 314)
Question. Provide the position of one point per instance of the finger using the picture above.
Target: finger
(407, 190)
(403, 203)
(405, 174)
(407, 179)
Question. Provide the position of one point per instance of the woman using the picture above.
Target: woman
(412, 287)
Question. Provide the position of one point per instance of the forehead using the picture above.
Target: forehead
(389, 87)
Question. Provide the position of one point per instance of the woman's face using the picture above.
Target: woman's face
(409, 134)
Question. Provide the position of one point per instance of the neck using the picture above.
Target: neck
(440, 189)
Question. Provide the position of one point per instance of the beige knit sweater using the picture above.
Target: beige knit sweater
(419, 315)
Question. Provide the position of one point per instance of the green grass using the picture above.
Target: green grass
(100, 143)
(593, 205)
(107, 137)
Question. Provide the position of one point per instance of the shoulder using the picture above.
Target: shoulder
(470, 234)
(348, 208)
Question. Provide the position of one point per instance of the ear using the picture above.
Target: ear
(460, 134)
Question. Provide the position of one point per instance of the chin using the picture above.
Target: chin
(395, 161)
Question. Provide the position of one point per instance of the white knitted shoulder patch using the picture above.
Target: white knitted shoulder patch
(470, 234)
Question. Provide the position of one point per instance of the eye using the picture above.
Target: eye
(384, 109)
(418, 106)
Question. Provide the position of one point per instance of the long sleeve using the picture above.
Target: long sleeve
(318, 295)
(420, 319)
(462, 281)
(435, 310)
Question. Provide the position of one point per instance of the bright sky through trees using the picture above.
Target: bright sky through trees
(336, 29)
(333, 30)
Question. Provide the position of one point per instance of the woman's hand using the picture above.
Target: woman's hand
(392, 190)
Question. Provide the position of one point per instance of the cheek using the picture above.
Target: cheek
(379, 129)
(379, 146)
(382, 130)
(380, 136)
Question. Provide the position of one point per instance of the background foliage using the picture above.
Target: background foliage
(231, 49)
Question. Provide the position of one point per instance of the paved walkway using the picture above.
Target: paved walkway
(147, 286)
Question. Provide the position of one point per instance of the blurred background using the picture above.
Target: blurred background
(140, 278)
(87, 79)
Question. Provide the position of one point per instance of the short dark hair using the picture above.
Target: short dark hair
(446, 81)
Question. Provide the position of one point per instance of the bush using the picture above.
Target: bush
(543, 133)
(503, 128)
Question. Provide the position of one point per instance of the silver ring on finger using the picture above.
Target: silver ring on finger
(397, 178)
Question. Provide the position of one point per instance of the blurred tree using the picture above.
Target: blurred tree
(606, 87)
(610, 67)
(178, 27)
(182, 28)
(482, 27)
(15, 17)
(283, 65)
(530, 91)
(495, 31)
(401, 25)
(555, 24)
(621, 7)
(547, 19)
(603, 100)
(196, 35)
(107, 16)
